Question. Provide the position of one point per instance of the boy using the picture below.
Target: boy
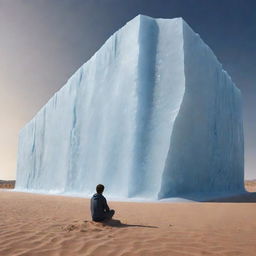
(99, 207)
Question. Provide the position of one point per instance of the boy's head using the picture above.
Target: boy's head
(100, 188)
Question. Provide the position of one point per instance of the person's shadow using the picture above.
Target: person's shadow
(119, 224)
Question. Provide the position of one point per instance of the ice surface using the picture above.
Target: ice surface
(151, 115)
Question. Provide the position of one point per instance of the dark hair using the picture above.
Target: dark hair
(100, 188)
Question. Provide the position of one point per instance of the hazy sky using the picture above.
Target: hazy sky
(42, 43)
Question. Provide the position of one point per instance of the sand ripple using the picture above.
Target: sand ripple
(34, 225)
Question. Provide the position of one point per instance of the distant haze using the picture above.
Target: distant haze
(43, 42)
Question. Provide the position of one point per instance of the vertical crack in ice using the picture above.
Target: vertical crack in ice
(148, 36)
(72, 170)
(167, 180)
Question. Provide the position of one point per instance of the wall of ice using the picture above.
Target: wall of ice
(150, 115)
(206, 154)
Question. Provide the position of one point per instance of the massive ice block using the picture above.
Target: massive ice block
(152, 115)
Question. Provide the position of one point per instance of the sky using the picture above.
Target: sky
(43, 42)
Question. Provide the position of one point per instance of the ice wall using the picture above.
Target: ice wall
(206, 148)
(151, 114)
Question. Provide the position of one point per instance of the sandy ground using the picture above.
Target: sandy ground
(250, 185)
(9, 184)
(32, 224)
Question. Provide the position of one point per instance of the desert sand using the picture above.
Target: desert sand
(250, 185)
(7, 184)
(33, 225)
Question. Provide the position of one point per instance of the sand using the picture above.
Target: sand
(250, 185)
(7, 184)
(33, 225)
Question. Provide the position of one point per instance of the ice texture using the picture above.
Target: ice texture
(151, 115)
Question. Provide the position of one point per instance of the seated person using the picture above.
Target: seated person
(99, 207)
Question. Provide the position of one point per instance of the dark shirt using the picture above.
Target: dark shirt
(99, 207)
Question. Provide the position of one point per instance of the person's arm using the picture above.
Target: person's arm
(91, 206)
(106, 208)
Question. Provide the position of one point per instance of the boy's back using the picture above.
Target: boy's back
(99, 207)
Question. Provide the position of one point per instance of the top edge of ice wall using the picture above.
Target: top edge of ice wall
(114, 120)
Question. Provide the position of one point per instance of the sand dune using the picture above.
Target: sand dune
(9, 184)
(33, 225)
(250, 185)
